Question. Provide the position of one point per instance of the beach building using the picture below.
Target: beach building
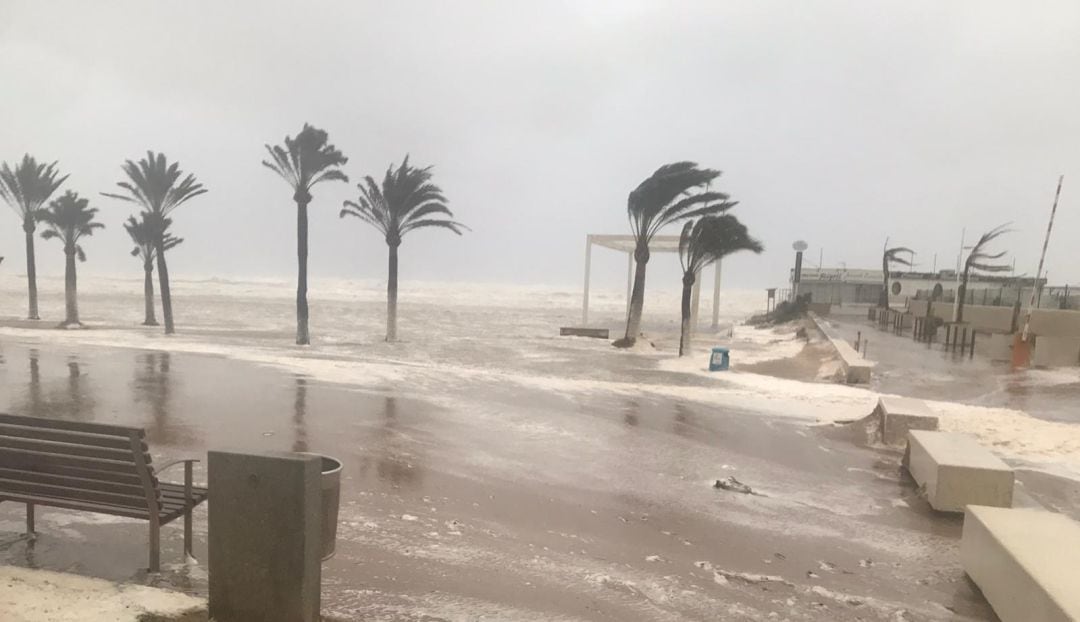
(839, 286)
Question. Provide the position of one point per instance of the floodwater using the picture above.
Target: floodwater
(495, 471)
(929, 371)
(516, 504)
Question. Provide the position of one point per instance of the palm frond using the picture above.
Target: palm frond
(666, 196)
(156, 185)
(979, 256)
(306, 160)
(404, 201)
(28, 186)
(712, 238)
(69, 218)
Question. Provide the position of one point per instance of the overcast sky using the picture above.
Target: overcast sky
(840, 123)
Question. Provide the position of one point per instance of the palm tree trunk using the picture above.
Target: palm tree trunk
(391, 294)
(148, 293)
(961, 292)
(637, 297)
(71, 302)
(163, 282)
(687, 291)
(31, 268)
(884, 300)
(303, 338)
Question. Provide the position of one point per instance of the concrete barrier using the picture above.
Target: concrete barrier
(1024, 561)
(899, 415)
(854, 367)
(1056, 351)
(955, 471)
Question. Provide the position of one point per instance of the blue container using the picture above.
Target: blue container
(719, 360)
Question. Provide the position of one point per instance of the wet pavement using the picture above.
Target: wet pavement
(500, 502)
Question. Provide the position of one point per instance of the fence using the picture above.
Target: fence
(1057, 297)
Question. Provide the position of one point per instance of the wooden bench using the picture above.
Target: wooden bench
(93, 467)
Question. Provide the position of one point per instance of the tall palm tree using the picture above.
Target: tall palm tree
(159, 188)
(674, 192)
(303, 162)
(889, 257)
(26, 189)
(980, 259)
(406, 201)
(69, 219)
(141, 231)
(702, 243)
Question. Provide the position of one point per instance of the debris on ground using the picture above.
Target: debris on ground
(734, 485)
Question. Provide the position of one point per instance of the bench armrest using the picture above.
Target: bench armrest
(173, 463)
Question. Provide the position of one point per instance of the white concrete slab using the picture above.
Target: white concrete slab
(955, 471)
(898, 415)
(1024, 561)
(855, 368)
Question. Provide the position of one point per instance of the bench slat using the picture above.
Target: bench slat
(66, 436)
(72, 494)
(18, 458)
(69, 481)
(69, 504)
(68, 449)
(112, 477)
(74, 426)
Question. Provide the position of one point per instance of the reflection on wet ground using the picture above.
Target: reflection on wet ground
(927, 371)
(512, 503)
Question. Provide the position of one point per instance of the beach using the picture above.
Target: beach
(495, 471)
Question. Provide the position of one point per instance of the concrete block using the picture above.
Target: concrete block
(994, 346)
(955, 471)
(264, 537)
(898, 415)
(856, 368)
(1056, 351)
(1024, 561)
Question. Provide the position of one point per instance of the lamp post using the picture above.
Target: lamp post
(799, 246)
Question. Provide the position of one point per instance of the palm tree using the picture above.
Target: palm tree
(406, 201)
(26, 189)
(702, 243)
(671, 193)
(303, 162)
(141, 231)
(980, 260)
(69, 219)
(159, 188)
(888, 257)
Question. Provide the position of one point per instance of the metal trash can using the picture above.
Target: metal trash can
(331, 501)
(720, 359)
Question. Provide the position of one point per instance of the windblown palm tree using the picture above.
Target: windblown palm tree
(702, 243)
(159, 188)
(981, 260)
(303, 162)
(69, 219)
(26, 189)
(406, 201)
(674, 192)
(888, 257)
(141, 231)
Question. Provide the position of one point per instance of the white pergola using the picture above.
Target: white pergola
(659, 244)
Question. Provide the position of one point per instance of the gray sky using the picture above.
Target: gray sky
(837, 122)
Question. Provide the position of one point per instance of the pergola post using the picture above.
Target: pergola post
(588, 269)
(716, 296)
